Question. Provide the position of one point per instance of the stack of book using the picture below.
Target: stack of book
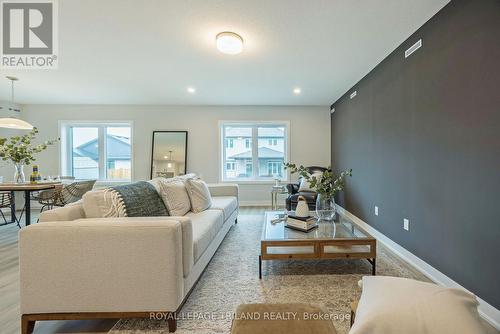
(301, 224)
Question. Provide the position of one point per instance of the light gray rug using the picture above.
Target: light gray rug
(231, 278)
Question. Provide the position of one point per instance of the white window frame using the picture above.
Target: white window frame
(254, 124)
(65, 148)
(271, 164)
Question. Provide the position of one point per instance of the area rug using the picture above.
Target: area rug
(231, 278)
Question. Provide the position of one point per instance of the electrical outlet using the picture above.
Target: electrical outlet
(406, 224)
(376, 210)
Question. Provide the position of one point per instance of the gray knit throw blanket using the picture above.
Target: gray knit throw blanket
(139, 199)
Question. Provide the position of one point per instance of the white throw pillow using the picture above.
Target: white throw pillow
(199, 194)
(393, 305)
(158, 181)
(306, 185)
(174, 195)
(102, 203)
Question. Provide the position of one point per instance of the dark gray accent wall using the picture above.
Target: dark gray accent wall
(423, 139)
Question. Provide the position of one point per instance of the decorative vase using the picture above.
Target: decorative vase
(325, 207)
(302, 209)
(19, 175)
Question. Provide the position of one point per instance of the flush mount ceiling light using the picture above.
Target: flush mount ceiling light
(297, 90)
(11, 122)
(229, 43)
(191, 90)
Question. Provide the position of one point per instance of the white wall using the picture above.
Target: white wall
(309, 130)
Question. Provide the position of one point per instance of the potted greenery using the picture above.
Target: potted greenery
(326, 185)
(20, 151)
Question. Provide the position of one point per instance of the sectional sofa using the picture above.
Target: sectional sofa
(73, 267)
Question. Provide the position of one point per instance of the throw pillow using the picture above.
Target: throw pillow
(138, 199)
(306, 185)
(199, 195)
(174, 195)
(391, 305)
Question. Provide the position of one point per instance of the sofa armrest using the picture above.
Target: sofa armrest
(224, 189)
(71, 211)
(102, 265)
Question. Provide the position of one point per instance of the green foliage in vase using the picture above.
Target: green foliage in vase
(327, 184)
(20, 150)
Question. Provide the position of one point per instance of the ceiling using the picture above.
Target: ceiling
(149, 52)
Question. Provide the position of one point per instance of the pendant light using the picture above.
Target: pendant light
(170, 162)
(11, 122)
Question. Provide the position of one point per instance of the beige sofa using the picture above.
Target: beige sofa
(72, 267)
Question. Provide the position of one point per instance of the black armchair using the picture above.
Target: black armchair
(293, 192)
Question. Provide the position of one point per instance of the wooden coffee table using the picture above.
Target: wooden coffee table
(340, 239)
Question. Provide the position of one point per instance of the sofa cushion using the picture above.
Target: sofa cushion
(199, 195)
(71, 211)
(206, 225)
(390, 305)
(228, 204)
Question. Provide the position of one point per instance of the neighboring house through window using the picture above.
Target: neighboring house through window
(92, 150)
(249, 162)
(274, 168)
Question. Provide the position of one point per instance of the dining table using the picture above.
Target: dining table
(27, 188)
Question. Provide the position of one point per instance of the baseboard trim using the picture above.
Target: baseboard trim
(486, 310)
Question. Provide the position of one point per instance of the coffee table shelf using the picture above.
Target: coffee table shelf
(341, 239)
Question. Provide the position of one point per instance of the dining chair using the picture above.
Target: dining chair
(64, 194)
(6, 200)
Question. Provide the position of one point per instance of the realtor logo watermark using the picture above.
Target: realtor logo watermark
(29, 38)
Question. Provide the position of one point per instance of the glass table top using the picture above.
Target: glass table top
(341, 228)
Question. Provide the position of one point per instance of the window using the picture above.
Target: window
(275, 168)
(248, 169)
(230, 143)
(96, 151)
(249, 162)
